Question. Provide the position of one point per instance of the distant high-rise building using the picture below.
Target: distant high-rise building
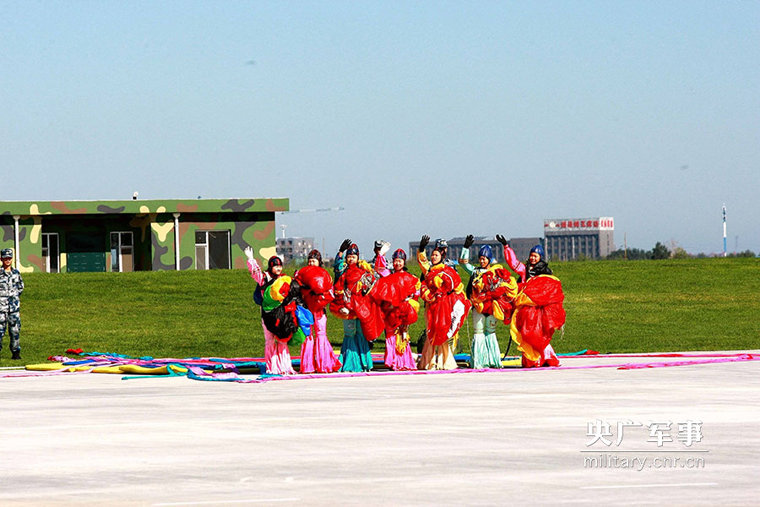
(297, 249)
(569, 238)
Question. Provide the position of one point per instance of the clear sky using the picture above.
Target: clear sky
(445, 118)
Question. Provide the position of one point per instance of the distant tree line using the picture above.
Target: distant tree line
(746, 253)
(660, 251)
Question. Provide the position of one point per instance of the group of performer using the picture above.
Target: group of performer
(372, 298)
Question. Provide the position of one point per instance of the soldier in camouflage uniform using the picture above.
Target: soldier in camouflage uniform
(11, 287)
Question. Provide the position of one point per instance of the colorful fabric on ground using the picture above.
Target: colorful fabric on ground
(229, 369)
(720, 358)
(97, 362)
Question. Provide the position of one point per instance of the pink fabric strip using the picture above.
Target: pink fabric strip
(663, 354)
(744, 357)
(637, 366)
(46, 373)
(624, 366)
(365, 374)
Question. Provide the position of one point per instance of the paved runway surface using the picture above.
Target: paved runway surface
(518, 436)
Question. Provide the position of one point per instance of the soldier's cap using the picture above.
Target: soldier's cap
(6, 253)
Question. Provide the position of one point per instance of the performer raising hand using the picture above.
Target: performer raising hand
(446, 307)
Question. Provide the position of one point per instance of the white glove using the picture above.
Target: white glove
(249, 253)
(384, 249)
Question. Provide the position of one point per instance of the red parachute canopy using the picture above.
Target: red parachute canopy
(316, 287)
(539, 313)
(357, 284)
(395, 288)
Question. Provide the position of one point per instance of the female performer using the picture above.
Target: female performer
(316, 291)
(446, 307)
(396, 294)
(362, 319)
(276, 353)
(491, 291)
(536, 263)
(538, 307)
(379, 264)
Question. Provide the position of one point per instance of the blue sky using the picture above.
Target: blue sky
(444, 118)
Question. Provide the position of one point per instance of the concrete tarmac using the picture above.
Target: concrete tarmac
(690, 436)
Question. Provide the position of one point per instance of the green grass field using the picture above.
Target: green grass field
(613, 306)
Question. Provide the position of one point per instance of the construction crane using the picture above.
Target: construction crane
(308, 210)
(313, 210)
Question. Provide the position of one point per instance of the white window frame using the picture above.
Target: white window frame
(118, 250)
(206, 249)
(46, 238)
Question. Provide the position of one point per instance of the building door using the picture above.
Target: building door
(86, 252)
(212, 250)
(51, 252)
(122, 257)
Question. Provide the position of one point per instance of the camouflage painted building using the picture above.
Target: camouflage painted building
(70, 236)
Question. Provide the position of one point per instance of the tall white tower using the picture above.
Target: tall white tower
(725, 253)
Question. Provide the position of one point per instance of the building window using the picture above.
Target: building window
(122, 252)
(51, 252)
(212, 250)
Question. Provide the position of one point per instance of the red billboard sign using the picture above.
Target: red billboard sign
(568, 224)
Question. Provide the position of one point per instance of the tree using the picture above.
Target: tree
(680, 253)
(617, 254)
(746, 253)
(632, 254)
(660, 251)
(639, 254)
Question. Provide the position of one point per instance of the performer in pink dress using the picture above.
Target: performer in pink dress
(397, 294)
(317, 354)
(276, 353)
(379, 264)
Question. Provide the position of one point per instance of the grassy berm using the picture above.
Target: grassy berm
(615, 306)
